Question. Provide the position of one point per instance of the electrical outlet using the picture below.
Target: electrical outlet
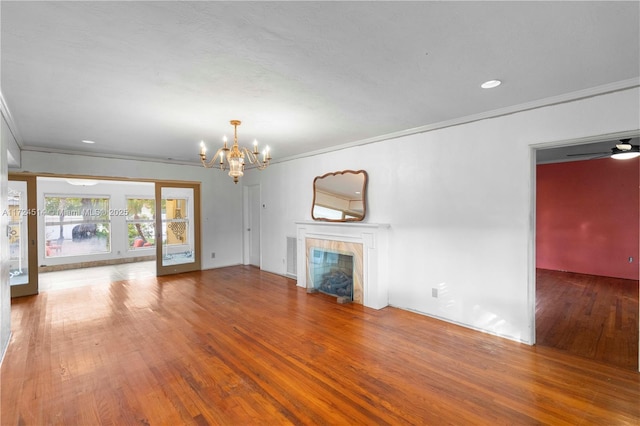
(213, 255)
(434, 292)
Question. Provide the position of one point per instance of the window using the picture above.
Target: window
(141, 213)
(176, 220)
(76, 226)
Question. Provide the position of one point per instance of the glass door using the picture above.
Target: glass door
(22, 235)
(178, 225)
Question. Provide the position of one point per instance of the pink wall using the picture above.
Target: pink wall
(587, 217)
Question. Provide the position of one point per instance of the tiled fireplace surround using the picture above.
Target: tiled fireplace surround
(369, 244)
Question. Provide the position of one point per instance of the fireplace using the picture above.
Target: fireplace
(332, 273)
(345, 260)
(335, 267)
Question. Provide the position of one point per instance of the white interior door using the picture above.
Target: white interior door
(253, 222)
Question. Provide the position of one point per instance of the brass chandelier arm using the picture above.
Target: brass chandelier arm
(254, 158)
(217, 162)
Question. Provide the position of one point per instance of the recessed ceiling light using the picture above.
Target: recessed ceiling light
(87, 141)
(491, 84)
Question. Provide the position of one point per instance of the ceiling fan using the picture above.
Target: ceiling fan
(621, 151)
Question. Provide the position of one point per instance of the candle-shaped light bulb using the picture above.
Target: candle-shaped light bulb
(268, 153)
(264, 155)
(221, 157)
(203, 149)
(224, 139)
(255, 146)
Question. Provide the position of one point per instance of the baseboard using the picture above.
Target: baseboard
(4, 350)
(94, 263)
(470, 327)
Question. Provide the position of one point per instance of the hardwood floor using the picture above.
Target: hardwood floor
(587, 315)
(99, 275)
(239, 346)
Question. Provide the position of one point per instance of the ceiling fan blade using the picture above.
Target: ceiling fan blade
(588, 153)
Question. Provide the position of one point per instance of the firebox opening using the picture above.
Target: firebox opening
(332, 273)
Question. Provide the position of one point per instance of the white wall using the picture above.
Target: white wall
(221, 200)
(460, 207)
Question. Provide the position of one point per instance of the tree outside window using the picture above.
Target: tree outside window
(76, 226)
(141, 213)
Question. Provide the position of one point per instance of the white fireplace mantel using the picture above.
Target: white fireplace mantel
(374, 238)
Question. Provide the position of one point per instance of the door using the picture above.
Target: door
(177, 227)
(22, 235)
(253, 229)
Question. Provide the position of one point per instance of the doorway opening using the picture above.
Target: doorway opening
(83, 222)
(91, 222)
(586, 253)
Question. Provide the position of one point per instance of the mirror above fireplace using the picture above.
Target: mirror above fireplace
(340, 196)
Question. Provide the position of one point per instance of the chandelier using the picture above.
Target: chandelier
(235, 156)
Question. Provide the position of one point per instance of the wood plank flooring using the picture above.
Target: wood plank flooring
(587, 315)
(237, 346)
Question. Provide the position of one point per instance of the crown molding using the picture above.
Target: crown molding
(541, 103)
(8, 118)
(46, 150)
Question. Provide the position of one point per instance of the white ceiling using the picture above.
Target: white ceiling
(152, 79)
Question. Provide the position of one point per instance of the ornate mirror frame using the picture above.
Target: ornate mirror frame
(340, 196)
